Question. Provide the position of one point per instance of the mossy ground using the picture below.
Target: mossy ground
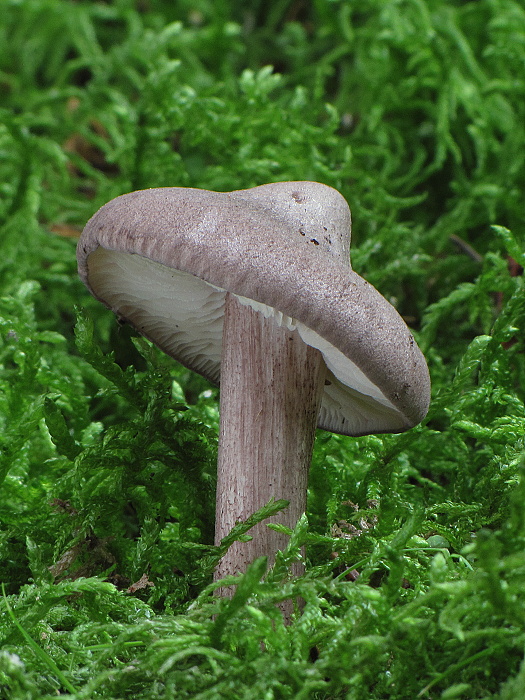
(415, 111)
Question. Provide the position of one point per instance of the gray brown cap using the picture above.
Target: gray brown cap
(163, 259)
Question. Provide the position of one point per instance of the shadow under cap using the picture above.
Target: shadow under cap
(283, 249)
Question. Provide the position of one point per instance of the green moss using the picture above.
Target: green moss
(415, 111)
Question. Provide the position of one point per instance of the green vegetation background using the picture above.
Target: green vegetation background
(415, 578)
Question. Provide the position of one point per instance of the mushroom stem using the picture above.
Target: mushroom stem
(271, 385)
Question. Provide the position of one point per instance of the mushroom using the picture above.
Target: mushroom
(254, 289)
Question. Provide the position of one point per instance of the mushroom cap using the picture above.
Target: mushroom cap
(163, 259)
